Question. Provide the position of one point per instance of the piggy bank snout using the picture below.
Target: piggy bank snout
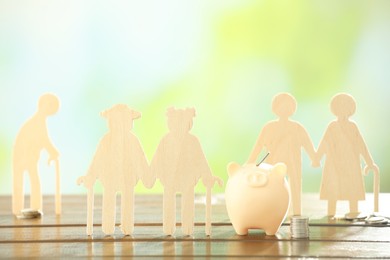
(256, 179)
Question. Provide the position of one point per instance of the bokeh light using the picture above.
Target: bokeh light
(226, 58)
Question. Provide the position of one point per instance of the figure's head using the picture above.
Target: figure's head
(48, 104)
(284, 105)
(180, 120)
(120, 117)
(343, 105)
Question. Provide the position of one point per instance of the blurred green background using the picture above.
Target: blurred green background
(226, 58)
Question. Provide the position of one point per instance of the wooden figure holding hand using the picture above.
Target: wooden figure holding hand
(30, 141)
(119, 163)
(179, 162)
(284, 139)
(343, 146)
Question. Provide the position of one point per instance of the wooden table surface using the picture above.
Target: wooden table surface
(64, 236)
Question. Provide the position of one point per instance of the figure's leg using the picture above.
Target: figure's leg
(127, 211)
(17, 192)
(108, 212)
(36, 193)
(353, 206)
(169, 212)
(296, 190)
(187, 211)
(331, 207)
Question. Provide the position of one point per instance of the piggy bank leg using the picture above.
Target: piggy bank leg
(242, 231)
(187, 212)
(127, 211)
(271, 231)
(108, 212)
(169, 212)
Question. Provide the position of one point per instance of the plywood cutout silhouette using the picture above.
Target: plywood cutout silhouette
(343, 147)
(179, 162)
(284, 139)
(119, 162)
(30, 141)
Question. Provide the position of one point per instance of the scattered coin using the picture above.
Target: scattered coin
(31, 213)
(356, 216)
(378, 214)
(376, 220)
(299, 227)
(25, 217)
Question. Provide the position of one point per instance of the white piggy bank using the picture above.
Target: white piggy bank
(257, 197)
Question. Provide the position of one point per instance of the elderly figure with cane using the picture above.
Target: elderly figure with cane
(179, 162)
(30, 141)
(343, 146)
(119, 163)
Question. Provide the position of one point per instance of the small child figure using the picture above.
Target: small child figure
(179, 162)
(284, 139)
(119, 163)
(343, 145)
(30, 141)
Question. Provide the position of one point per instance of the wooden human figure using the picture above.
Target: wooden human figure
(179, 162)
(284, 139)
(119, 162)
(30, 141)
(343, 146)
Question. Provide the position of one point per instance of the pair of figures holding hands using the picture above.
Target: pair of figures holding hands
(120, 161)
(342, 145)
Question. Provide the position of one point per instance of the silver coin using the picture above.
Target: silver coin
(355, 216)
(25, 217)
(31, 213)
(378, 214)
(376, 220)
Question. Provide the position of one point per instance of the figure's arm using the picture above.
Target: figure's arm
(157, 164)
(307, 144)
(259, 145)
(47, 144)
(366, 154)
(321, 151)
(143, 170)
(202, 166)
(96, 166)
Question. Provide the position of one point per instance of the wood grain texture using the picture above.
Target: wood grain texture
(64, 236)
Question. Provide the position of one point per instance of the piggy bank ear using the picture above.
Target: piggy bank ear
(232, 168)
(280, 169)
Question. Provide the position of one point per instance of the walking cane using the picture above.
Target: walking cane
(208, 211)
(376, 191)
(90, 203)
(376, 186)
(58, 189)
(208, 205)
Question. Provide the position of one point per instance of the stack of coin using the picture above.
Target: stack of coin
(299, 227)
(30, 213)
